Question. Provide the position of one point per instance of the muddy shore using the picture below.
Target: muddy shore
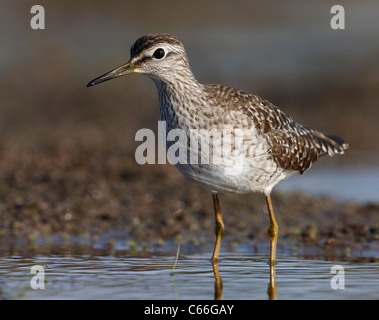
(71, 191)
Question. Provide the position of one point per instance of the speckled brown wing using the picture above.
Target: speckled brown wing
(292, 145)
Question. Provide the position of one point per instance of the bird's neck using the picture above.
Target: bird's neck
(176, 97)
(181, 84)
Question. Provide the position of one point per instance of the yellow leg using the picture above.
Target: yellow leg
(219, 227)
(273, 232)
(219, 233)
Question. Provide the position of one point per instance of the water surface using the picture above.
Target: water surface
(346, 183)
(244, 275)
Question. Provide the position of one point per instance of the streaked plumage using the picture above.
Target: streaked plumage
(275, 145)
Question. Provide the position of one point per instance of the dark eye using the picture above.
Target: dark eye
(159, 53)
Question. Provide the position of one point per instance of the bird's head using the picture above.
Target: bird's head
(160, 56)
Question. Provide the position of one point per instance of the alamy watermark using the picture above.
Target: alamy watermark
(38, 280)
(37, 22)
(337, 281)
(222, 148)
(38, 19)
(338, 20)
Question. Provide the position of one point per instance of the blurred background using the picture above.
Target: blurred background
(67, 151)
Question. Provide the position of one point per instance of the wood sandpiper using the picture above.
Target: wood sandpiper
(274, 146)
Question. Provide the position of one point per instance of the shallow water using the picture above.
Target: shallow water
(244, 275)
(351, 183)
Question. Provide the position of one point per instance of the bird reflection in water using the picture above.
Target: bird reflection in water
(271, 290)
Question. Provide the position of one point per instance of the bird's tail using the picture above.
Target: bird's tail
(330, 144)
